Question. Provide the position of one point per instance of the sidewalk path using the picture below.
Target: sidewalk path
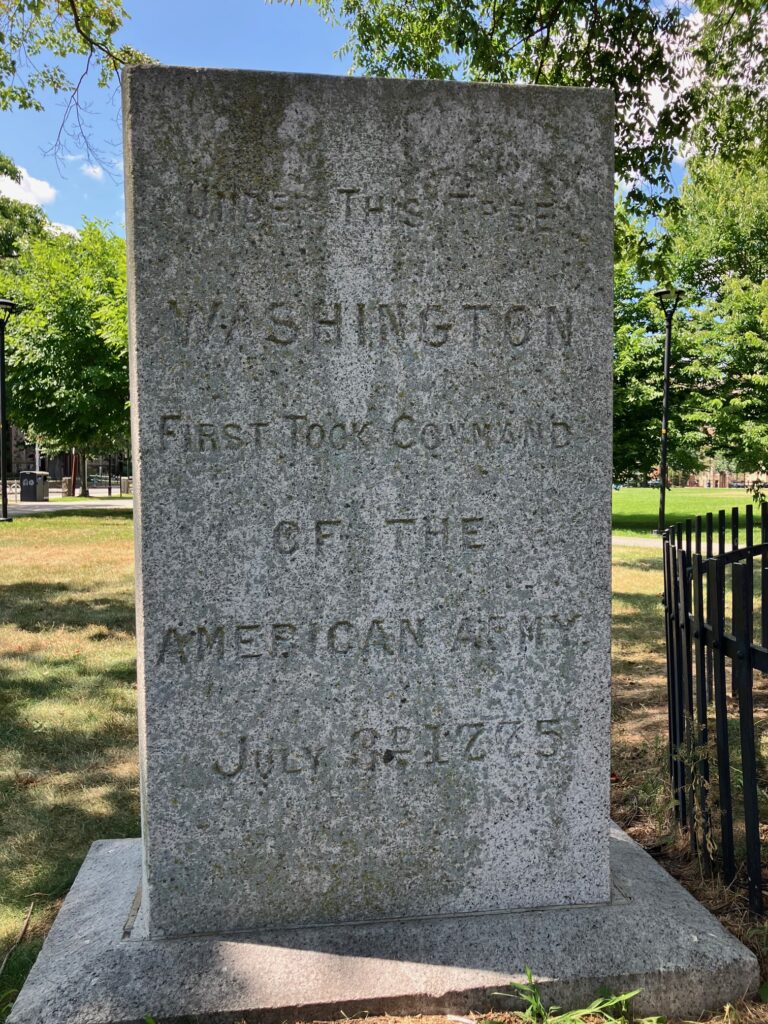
(33, 508)
(636, 542)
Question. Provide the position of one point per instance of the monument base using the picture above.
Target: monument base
(652, 935)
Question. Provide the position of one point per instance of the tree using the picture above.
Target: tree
(731, 331)
(637, 354)
(36, 36)
(721, 228)
(17, 219)
(68, 349)
(719, 252)
(638, 363)
(678, 75)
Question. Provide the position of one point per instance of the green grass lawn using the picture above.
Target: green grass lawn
(68, 760)
(636, 509)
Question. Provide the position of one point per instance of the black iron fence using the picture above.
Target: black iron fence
(716, 622)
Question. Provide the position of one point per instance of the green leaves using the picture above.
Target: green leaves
(719, 252)
(67, 349)
(17, 219)
(604, 1007)
(36, 36)
(679, 76)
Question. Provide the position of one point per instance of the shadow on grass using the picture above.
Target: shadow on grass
(35, 607)
(70, 788)
(644, 607)
(649, 564)
(645, 522)
(648, 522)
(91, 513)
(67, 749)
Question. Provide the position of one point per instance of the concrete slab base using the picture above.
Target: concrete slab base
(93, 969)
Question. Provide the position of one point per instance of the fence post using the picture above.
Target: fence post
(686, 688)
(702, 731)
(742, 684)
(715, 598)
(667, 602)
(676, 703)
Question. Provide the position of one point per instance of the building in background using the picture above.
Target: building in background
(26, 456)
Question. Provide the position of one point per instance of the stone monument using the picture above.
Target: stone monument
(371, 337)
(372, 392)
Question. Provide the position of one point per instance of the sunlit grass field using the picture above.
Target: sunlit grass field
(636, 509)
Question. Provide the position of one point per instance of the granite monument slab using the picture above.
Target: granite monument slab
(371, 355)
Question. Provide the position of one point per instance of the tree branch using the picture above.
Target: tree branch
(94, 44)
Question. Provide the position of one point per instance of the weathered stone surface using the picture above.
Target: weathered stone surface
(652, 935)
(371, 377)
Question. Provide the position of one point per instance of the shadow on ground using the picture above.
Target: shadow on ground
(39, 606)
(68, 766)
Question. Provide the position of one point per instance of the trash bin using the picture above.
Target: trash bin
(67, 491)
(34, 485)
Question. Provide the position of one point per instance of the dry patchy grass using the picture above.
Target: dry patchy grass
(641, 801)
(67, 725)
(68, 772)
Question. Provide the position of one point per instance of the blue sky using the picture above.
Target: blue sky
(228, 33)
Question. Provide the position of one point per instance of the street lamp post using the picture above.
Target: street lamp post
(7, 308)
(669, 299)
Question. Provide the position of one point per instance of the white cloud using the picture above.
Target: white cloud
(28, 190)
(93, 171)
(64, 229)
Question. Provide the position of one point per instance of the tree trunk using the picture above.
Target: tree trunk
(84, 478)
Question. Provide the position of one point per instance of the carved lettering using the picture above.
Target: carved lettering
(210, 642)
(377, 638)
(327, 325)
(391, 323)
(284, 330)
(285, 537)
(437, 532)
(175, 643)
(349, 437)
(400, 747)
(242, 755)
(287, 324)
(472, 731)
(381, 637)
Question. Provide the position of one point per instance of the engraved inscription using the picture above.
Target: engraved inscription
(375, 323)
(420, 533)
(361, 208)
(432, 325)
(261, 212)
(305, 432)
(429, 532)
(350, 636)
(397, 747)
